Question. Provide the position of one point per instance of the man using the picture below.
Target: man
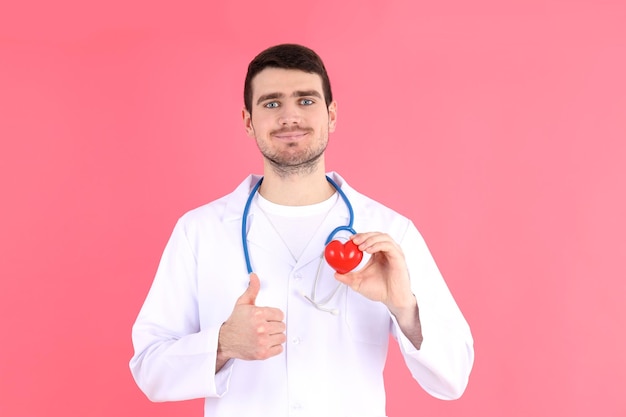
(290, 336)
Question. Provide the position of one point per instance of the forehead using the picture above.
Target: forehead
(285, 81)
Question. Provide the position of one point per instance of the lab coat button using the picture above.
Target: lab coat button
(298, 275)
(295, 340)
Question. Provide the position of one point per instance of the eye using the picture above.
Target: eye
(271, 105)
(306, 102)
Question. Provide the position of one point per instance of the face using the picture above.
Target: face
(289, 119)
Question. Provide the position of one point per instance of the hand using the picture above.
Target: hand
(385, 277)
(251, 332)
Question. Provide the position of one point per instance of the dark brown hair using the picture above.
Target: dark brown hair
(287, 56)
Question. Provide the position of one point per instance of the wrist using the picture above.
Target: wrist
(403, 308)
(220, 357)
(407, 317)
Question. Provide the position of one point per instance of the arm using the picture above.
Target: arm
(433, 335)
(174, 359)
(443, 364)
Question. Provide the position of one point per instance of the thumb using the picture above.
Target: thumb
(249, 296)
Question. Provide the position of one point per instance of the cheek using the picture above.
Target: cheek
(257, 127)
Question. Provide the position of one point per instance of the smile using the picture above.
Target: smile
(290, 136)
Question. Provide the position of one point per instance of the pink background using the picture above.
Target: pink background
(498, 126)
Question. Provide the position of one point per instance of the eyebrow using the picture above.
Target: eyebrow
(298, 93)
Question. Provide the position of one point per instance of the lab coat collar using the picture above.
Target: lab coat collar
(236, 201)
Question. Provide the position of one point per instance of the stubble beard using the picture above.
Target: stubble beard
(286, 164)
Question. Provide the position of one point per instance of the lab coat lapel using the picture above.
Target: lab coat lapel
(262, 238)
(236, 201)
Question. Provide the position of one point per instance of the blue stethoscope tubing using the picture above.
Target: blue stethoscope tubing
(246, 211)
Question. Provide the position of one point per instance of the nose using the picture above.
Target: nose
(289, 115)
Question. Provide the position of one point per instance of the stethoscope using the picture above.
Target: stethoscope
(319, 304)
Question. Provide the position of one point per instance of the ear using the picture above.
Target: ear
(247, 122)
(332, 116)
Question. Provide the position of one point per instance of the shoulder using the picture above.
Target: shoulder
(370, 214)
(223, 209)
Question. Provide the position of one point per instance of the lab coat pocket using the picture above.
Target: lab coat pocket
(367, 321)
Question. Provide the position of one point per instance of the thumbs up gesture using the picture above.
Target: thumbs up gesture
(251, 332)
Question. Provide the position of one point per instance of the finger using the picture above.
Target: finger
(362, 237)
(249, 296)
(278, 339)
(273, 347)
(275, 350)
(265, 352)
(276, 328)
(364, 240)
(390, 248)
(272, 314)
(378, 242)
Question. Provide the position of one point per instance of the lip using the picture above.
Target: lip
(291, 135)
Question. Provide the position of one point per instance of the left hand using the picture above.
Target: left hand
(385, 277)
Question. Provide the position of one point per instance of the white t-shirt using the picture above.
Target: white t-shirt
(296, 225)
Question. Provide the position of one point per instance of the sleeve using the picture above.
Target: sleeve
(173, 358)
(444, 361)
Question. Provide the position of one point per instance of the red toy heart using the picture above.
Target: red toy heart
(342, 257)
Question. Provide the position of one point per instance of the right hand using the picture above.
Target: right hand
(251, 332)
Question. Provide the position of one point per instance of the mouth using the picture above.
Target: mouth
(291, 135)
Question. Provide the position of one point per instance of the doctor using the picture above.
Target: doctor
(293, 337)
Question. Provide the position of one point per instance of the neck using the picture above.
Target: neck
(296, 189)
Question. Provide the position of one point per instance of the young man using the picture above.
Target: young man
(246, 312)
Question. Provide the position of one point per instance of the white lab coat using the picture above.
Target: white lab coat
(332, 365)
